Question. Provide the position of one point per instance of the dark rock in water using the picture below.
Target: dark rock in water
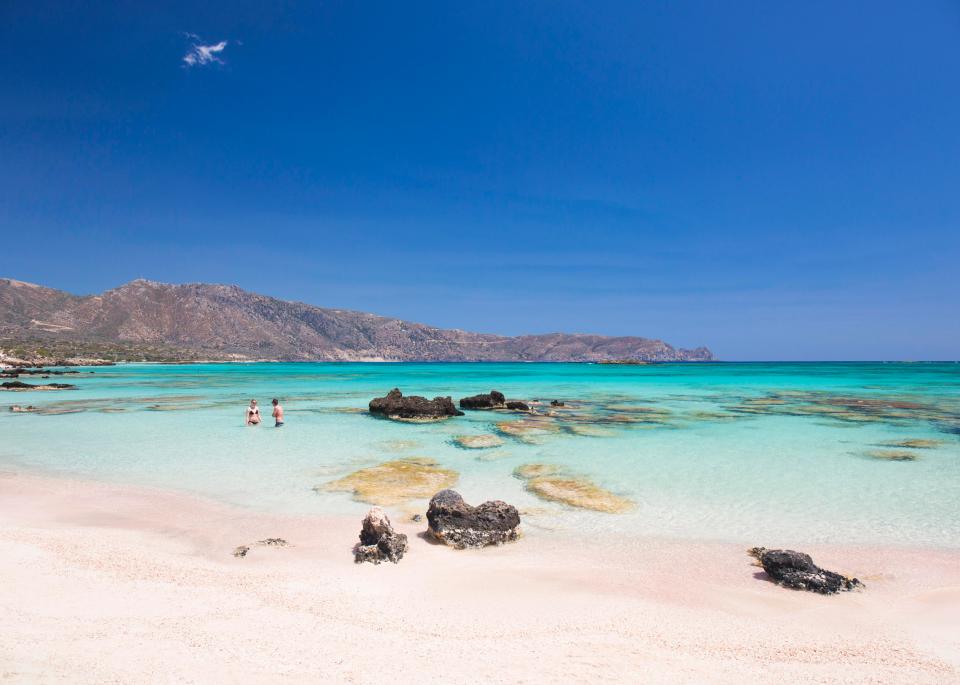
(396, 406)
(20, 385)
(517, 405)
(378, 541)
(494, 400)
(453, 521)
(797, 571)
(556, 403)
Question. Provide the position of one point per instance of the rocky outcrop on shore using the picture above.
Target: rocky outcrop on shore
(797, 571)
(456, 523)
(378, 540)
(413, 408)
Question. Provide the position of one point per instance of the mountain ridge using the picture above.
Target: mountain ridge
(225, 322)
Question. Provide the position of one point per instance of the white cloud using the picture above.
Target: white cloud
(200, 54)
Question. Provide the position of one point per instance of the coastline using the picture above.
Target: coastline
(113, 582)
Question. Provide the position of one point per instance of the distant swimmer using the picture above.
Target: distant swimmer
(253, 414)
(277, 412)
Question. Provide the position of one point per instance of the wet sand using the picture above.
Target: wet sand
(105, 583)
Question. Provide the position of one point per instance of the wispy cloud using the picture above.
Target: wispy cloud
(200, 54)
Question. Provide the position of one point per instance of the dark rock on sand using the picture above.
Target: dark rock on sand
(378, 541)
(243, 550)
(493, 400)
(396, 406)
(456, 523)
(517, 405)
(797, 571)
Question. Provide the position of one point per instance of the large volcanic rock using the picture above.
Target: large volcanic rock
(493, 400)
(453, 521)
(396, 406)
(378, 541)
(797, 571)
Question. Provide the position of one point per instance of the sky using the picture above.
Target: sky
(772, 180)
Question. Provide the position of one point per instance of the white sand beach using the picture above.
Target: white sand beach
(102, 583)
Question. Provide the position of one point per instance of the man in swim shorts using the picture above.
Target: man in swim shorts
(277, 412)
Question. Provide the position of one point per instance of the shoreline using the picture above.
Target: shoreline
(116, 582)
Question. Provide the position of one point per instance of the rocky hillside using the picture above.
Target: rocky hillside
(198, 320)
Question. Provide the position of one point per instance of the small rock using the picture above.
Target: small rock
(456, 523)
(243, 550)
(517, 405)
(797, 571)
(378, 541)
(273, 542)
(556, 403)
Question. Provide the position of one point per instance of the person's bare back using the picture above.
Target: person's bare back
(277, 413)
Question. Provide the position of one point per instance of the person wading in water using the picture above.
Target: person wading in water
(253, 414)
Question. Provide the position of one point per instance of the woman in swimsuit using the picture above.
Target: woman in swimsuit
(253, 414)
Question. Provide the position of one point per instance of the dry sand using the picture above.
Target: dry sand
(102, 583)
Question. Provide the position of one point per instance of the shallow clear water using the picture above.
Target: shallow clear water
(757, 453)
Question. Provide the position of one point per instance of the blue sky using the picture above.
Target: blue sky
(774, 180)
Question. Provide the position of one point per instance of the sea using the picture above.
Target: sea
(757, 453)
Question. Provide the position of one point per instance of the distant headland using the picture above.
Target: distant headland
(149, 321)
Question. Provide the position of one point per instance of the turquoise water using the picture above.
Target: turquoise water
(756, 453)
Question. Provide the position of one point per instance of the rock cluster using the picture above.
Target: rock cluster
(378, 541)
(797, 571)
(493, 400)
(456, 523)
(412, 408)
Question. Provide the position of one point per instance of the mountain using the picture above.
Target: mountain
(199, 320)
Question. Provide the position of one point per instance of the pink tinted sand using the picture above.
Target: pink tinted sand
(102, 583)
